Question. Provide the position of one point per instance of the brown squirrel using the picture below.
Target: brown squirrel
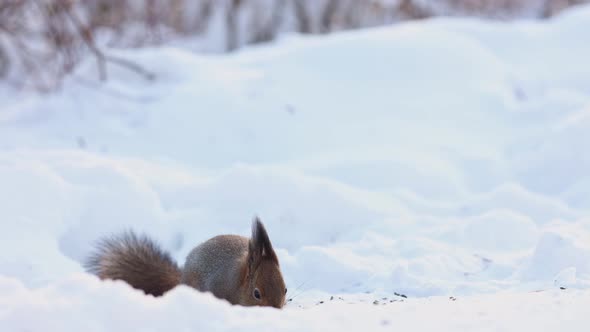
(240, 270)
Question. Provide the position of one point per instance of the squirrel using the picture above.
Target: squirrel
(240, 270)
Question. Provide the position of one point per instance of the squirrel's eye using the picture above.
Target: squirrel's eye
(257, 293)
(285, 291)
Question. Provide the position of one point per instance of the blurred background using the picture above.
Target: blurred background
(41, 41)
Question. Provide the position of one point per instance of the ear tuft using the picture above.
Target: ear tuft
(260, 245)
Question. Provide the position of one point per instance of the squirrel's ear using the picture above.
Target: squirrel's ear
(260, 246)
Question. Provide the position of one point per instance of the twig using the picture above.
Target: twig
(101, 57)
(131, 66)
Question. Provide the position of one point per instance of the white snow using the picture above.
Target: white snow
(84, 304)
(447, 157)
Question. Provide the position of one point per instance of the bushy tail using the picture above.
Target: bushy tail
(137, 260)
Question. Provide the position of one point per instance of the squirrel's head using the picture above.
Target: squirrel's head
(265, 285)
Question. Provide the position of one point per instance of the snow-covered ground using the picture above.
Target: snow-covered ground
(447, 160)
(85, 304)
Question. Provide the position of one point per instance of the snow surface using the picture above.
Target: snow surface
(434, 159)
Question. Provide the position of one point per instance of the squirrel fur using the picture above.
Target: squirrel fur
(241, 270)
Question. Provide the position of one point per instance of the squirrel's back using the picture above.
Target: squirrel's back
(137, 260)
(217, 265)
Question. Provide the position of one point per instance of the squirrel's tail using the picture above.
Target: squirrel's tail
(137, 260)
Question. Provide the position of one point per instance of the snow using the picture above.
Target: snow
(435, 159)
(83, 303)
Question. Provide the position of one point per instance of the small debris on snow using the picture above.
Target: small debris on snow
(400, 295)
